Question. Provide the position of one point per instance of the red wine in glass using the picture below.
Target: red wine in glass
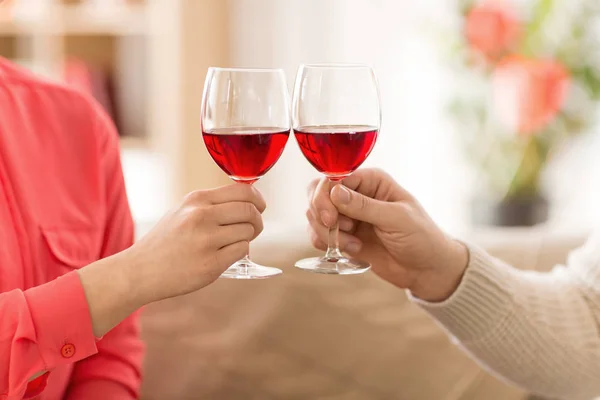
(246, 154)
(336, 150)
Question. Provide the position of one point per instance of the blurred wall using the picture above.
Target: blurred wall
(415, 144)
(418, 144)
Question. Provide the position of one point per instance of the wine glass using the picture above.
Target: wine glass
(336, 118)
(245, 126)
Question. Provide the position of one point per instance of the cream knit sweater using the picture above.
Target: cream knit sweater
(540, 331)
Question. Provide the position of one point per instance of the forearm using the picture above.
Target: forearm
(111, 291)
(537, 330)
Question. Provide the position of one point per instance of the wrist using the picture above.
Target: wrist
(440, 281)
(132, 275)
(110, 292)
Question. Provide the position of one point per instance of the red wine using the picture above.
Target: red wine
(245, 154)
(336, 150)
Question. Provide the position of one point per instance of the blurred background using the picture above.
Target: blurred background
(488, 118)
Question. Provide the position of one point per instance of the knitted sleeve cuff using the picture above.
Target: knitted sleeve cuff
(481, 302)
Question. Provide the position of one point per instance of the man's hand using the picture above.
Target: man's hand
(385, 225)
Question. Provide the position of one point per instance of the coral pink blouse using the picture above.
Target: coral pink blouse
(62, 206)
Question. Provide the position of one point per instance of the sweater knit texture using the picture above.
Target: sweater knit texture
(539, 331)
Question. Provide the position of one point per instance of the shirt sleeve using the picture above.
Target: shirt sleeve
(115, 371)
(42, 328)
(536, 330)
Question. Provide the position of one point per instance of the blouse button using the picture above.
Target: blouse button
(68, 350)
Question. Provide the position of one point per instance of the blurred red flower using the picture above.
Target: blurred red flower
(492, 28)
(536, 90)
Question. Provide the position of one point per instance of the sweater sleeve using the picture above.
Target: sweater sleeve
(536, 330)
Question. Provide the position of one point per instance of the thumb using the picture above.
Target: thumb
(360, 207)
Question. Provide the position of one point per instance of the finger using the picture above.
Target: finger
(231, 253)
(228, 234)
(346, 224)
(237, 212)
(378, 184)
(360, 177)
(310, 216)
(231, 193)
(321, 204)
(315, 240)
(347, 242)
(319, 235)
(362, 208)
(310, 190)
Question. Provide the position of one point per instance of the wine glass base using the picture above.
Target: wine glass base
(333, 265)
(244, 269)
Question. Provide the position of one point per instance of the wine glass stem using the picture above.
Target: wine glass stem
(242, 266)
(333, 245)
(244, 263)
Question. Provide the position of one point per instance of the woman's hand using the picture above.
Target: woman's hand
(385, 225)
(191, 246)
(187, 250)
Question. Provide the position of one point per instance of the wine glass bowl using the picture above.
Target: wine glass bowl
(256, 150)
(245, 127)
(336, 118)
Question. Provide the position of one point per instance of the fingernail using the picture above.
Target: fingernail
(326, 218)
(353, 247)
(342, 194)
